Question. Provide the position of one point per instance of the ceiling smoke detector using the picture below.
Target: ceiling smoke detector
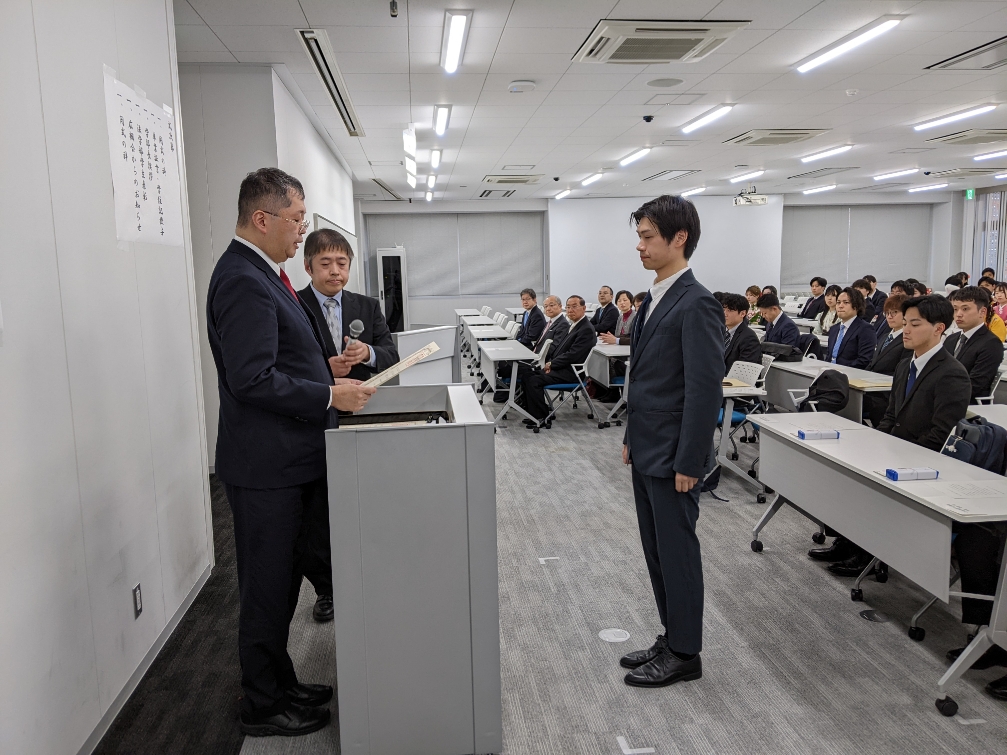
(650, 42)
(664, 83)
(516, 87)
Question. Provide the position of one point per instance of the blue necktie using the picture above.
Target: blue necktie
(839, 340)
(524, 321)
(912, 377)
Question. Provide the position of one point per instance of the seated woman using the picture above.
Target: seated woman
(829, 317)
(624, 325)
(1000, 300)
(752, 293)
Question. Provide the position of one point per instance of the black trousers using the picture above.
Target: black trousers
(667, 521)
(271, 542)
(978, 547)
(318, 560)
(535, 382)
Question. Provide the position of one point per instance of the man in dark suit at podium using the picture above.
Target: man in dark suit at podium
(276, 400)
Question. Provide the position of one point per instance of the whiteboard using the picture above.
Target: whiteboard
(356, 281)
(144, 162)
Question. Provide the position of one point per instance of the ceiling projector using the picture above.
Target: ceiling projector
(750, 198)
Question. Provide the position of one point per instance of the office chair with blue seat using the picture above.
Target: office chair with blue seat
(566, 392)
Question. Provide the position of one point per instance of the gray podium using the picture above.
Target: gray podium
(412, 511)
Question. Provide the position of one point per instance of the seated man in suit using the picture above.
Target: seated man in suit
(779, 327)
(864, 288)
(877, 296)
(816, 304)
(606, 316)
(532, 322)
(571, 350)
(556, 325)
(852, 343)
(888, 354)
(740, 344)
(979, 351)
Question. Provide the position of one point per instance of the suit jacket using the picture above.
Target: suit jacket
(675, 374)
(869, 312)
(981, 356)
(878, 300)
(574, 347)
(887, 358)
(376, 334)
(272, 376)
(881, 327)
(557, 332)
(744, 347)
(857, 347)
(783, 331)
(529, 334)
(814, 307)
(938, 400)
(605, 318)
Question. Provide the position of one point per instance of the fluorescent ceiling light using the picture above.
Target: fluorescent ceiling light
(827, 153)
(431, 180)
(410, 165)
(1001, 176)
(817, 189)
(709, 117)
(991, 155)
(746, 176)
(411, 180)
(441, 114)
(854, 40)
(931, 187)
(456, 28)
(564, 193)
(590, 179)
(634, 157)
(409, 140)
(429, 196)
(896, 174)
(690, 192)
(955, 117)
(435, 158)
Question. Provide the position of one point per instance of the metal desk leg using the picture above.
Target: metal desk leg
(854, 409)
(775, 506)
(725, 443)
(512, 404)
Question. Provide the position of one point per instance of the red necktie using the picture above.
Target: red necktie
(286, 282)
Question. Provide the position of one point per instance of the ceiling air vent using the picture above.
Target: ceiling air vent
(973, 136)
(495, 193)
(772, 137)
(316, 44)
(879, 187)
(687, 98)
(670, 175)
(983, 58)
(646, 42)
(512, 179)
(964, 172)
(821, 172)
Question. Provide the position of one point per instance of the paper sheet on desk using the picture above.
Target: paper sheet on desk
(964, 498)
(992, 489)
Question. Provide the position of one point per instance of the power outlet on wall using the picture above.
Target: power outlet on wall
(137, 602)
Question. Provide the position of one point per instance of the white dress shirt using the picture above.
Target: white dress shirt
(337, 337)
(659, 289)
(922, 359)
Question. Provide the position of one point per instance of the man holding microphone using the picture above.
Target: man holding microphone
(277, 398)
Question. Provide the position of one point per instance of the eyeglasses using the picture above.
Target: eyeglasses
(302, 225)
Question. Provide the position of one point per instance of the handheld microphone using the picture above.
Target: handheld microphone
(356, 328)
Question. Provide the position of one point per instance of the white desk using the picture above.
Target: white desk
(723, 458)
(905, 524)
(516, 312)
(492, 352)
(478, 319)
(467, 313)
(800, 375)
(995, 413)
(804, 324)
(597, 366)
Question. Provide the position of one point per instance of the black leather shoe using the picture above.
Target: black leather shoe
(295, 721)
(639, 657)
(995, 656)
(666, 669)
(840, 550)
(500, 397)
(853, 566)
(322, 611)
(310, 695)
(998, 688)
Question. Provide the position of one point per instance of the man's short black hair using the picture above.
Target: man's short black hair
(671, 214)
(266, 189)
(932, 308)
(719, 296)
(580, 299)
(901, 284)
(870, 279)
(914, 281)
(991, 271)
(608, 287)
(734, 302)
(953, 280)
(530, 292)
(323, 240)
(861, 284)
(819, 281)
(856, 298)
(921, 288)
(768, 300)
(976, 294)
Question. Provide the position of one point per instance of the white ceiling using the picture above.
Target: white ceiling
(585, 117)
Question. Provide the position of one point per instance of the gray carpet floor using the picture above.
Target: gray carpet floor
(790, 666)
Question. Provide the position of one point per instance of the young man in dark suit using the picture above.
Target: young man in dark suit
(327, 259)
(869, 312)
(888, 354)
(877, 296)
(674, 397)
(979, 351)
(852, 343)
(606, 316)
(277, 398)
(779, 327)
(740, 344)
(816, 304)
(532, 321)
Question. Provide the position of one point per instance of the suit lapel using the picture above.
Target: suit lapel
(667, 303)
(273, 278)
(930, 366)
(350, 312)
(321, 327)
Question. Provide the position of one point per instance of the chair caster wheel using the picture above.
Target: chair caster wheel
(618, 423)
(734, 457)
(536, 430)
(881, 574)
(590, 416)
(548, 425)
(857, 595)
(760, 498)
(818, 537)
(947, 706)
(757, 546)
(770, 490)
(753, 474)
(917, 633)
(603, 425)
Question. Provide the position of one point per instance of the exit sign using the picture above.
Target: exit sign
(970, 193)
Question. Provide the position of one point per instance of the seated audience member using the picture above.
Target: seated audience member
(864, 288)
(900, 287)
(741, 344)
(888, 354)
(930, 394)
(779, 327)
(852, 341)
(532, 322)
(770, 290)
(993, 320)
(816, 304)
(624, 325)
(988, 285)
(953, 283)
(920, 288)
(979, 351)
(988, 272)
(605, 317)
(571, 350)
(877, 296)
(1000, 300)
(828, 317)
(555, 330)
(752, 293)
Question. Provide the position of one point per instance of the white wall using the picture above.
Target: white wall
(592, 243)
(101, 450)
